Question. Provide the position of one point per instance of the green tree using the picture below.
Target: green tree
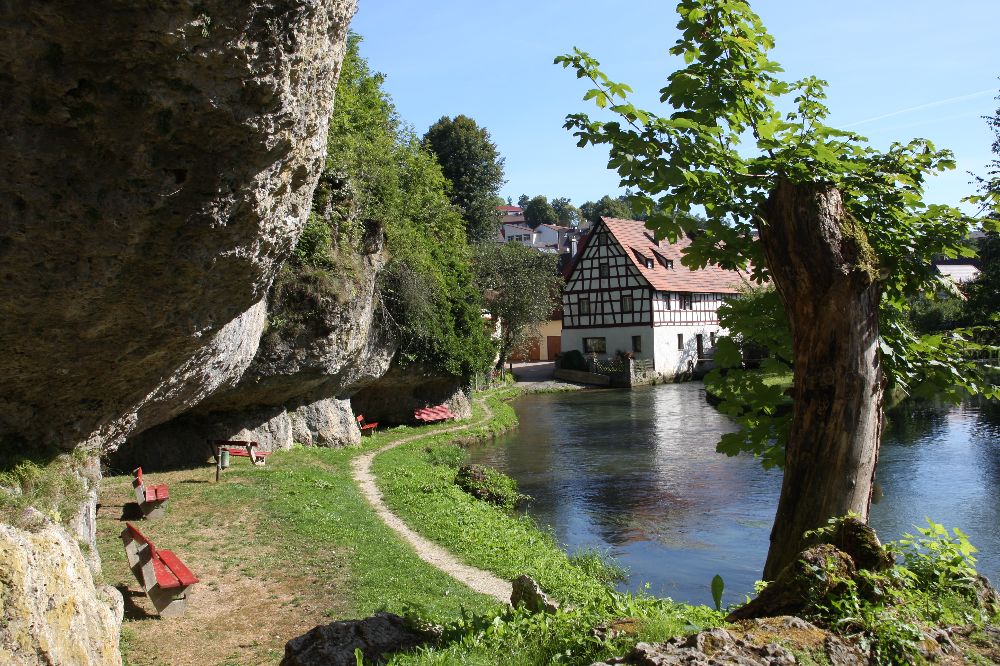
(522, 288)
(540, 211)
(618, 207)
(567, 214)
(469, 159)
(523, 200)
(377, 180)
(983, 305)
(844, 236)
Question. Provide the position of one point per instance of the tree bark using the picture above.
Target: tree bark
(826, 274)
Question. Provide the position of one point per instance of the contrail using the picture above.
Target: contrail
(940, 102)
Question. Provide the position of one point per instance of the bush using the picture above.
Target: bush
(489, 485)
(572, 360)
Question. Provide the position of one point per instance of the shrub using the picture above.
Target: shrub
(572, 360)
(489, 485)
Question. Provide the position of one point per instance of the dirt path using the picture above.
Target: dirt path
(477, 579)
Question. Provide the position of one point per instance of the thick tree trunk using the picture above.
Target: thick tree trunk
(826, 274)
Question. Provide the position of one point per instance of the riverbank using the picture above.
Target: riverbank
(283, 548)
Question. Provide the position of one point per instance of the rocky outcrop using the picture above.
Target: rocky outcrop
(158, 167)
(149, 192)
(396, 394)
(324, 342)
(767, 642)
(50, 610)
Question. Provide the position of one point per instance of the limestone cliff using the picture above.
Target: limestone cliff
(158, 166)
(50, 610)
(322, 345)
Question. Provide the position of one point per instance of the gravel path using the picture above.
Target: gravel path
(477, 579)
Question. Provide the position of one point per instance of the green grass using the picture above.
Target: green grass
(316, 512)
(417, 482)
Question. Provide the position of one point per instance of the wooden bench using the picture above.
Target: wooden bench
(433, 414)
(152, 500)
(366, 428)
(161, 573)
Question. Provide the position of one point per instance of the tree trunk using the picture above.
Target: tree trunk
(826, 274)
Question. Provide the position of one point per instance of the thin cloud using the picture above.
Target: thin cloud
(919, 107)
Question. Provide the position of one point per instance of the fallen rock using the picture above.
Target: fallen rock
(528, 593)
(334, 644)
(763, 642)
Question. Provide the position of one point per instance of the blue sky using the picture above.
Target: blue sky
(897, 69)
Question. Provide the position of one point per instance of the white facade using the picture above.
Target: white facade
(628, 293)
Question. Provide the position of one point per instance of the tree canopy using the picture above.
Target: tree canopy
(522, 287)
(839, 228)
(379, 179)
(619, 207)
(470, 161)
(540, 211)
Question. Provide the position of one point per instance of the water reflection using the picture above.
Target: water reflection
(636, 473)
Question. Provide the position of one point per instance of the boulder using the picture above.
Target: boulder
(528, 593)
(334, 644)
(50, 610)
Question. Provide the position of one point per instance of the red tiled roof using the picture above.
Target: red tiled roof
(510, 209)
(638, 241)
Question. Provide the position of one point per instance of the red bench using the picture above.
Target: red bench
(366, 428)
(162, 575)
(433, 414)
(152, 500)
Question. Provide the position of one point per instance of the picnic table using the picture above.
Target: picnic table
(236, 447)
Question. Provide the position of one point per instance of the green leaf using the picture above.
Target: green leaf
(718, 586)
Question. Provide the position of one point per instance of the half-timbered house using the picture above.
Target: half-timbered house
(628, 292)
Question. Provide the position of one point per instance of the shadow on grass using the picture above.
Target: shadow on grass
(132, 610)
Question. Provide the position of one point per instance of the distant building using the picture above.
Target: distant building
(958, 271)
(510, 213)
(628, 292)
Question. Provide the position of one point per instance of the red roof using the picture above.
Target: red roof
(510, 209)
(639, 244)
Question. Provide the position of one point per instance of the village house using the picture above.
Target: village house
(627, 292)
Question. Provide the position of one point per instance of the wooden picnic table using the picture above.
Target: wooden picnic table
(236, 447)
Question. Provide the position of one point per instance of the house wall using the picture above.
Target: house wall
(672, 361)
(616, 339)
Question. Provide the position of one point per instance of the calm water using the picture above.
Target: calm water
(635, 474)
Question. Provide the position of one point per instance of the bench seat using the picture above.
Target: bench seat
(434, 414)
(160, 572)
(152, 500)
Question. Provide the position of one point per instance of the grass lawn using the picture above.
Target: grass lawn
(279, 549)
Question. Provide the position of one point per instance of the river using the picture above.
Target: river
(634, 474)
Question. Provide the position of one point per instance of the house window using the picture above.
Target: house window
(680, 341)
(711, 338)
(626, 304)
(637, 343)
(687, 301)
(667, 297)
(603, 271)
(649, 263)
(584, 306)
(594, 346)
(670, 263)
